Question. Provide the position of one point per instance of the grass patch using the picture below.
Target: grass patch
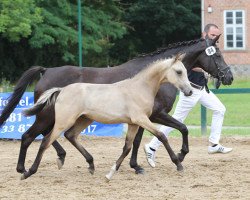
(196, 132)
(237, 108)
(236, 84)
(236, 120)
(237, 111)
(6, 86)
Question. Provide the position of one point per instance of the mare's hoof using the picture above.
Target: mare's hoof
(180, 168)
(180, 157)
(91, 170)
(60, 162)
(139, 170)
(21, 170)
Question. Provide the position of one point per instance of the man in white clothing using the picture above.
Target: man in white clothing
(206, 98)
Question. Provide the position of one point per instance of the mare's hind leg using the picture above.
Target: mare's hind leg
(132, 130)
(147, 124)
(46, 142)
(29, 136)
(133, 161)
(60, 152)
(73, 133)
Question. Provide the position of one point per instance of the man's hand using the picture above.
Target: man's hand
(197, 69)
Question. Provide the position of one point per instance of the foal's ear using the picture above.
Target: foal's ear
(179, 57)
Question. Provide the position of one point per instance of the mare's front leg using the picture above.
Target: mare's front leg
(165, 119)
(39, 126)
(133, 161)
(147, 124)
(132, 129)
(72, 135)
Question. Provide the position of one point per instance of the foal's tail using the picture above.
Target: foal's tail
(28, 77)
(48, 98)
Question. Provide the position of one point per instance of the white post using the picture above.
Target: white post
(202, 15)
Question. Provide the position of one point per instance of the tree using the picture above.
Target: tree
(44, 32)
(17, 18)
(101, 26)
(50, 36)
(156, 24)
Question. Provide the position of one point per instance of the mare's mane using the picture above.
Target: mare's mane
(171, 46)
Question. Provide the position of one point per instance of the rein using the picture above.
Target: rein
(221, 72)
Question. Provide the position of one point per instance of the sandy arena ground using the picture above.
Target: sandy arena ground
(204, 177)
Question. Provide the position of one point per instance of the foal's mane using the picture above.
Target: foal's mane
(152, 67)
(172, 46)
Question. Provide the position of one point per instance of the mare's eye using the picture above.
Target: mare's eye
(179, 72)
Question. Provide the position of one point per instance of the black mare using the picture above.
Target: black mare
(62, 76)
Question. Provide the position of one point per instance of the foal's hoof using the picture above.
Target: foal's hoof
(107, 178)
(139, 170)
(60, 162)
(23, 176)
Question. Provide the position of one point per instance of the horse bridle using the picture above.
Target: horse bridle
(221, 72)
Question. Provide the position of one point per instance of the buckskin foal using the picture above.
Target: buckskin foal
(130, 101)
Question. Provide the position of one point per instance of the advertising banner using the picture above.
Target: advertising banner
(17, 124)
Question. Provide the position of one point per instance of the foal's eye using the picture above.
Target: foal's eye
(179, 72)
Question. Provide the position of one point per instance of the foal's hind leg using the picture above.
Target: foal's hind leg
(73, 133)
(147, 124)
(132, 130)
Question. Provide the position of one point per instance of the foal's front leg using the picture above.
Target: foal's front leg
(147, 124)
(165, 119)
(132, 130)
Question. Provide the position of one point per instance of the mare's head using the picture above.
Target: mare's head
(177, 75)
(212, 61)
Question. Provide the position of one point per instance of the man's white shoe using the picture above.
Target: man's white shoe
(150, 155)
(219, 149)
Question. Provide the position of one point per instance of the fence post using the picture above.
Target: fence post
(203, 120)
(80, 32)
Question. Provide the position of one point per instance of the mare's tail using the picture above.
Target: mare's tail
(46, 99)
(28, 77)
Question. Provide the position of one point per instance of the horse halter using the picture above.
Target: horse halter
(210, 51)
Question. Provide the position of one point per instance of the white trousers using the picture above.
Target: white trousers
(184, 106)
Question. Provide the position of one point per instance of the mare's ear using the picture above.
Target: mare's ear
(216, 39)
(179, 57)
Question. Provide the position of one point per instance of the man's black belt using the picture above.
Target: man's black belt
(196, 86)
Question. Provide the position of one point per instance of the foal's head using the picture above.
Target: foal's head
(177, 75)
